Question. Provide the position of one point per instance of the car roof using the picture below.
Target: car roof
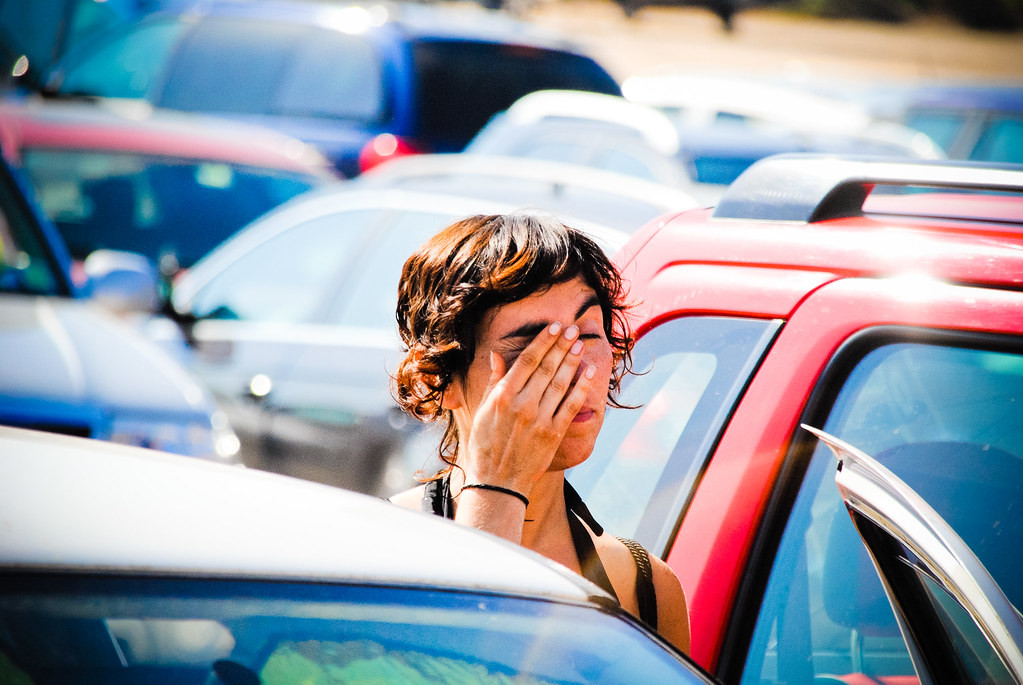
(77, 505)
(418, 21)
(812, 216)
(136, 126)
(625, 204)
(613, 110)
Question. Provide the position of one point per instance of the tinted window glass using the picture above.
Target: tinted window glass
(949, 422)
(942, 127)
(288, 277)
(230, 66)
(150, 205)
(462, 84)
(646, 462)
(1002, 141)
(153, 632)
(257, 67)
(130, 66)
(334, 75)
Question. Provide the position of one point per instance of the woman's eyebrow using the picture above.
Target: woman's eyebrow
(533, 328)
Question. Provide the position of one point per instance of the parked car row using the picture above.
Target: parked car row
(425, 77)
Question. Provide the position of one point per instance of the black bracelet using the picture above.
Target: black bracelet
(497, 488)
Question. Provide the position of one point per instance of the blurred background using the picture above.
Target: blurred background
(206, 203)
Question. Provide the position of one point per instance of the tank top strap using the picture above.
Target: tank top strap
(589, 561)
(437, 497)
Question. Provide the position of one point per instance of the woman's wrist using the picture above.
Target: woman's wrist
(499, 489)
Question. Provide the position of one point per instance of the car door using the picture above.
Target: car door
(936, 398)
(958, 624)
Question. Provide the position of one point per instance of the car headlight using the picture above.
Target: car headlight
(211, 438)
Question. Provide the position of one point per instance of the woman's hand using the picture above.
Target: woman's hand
(525, 412)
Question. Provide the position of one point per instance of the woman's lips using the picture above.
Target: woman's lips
(584, 415)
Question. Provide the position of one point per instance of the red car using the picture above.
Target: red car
(810, 295)
(168, 185)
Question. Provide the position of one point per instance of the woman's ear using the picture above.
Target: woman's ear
(453, 396)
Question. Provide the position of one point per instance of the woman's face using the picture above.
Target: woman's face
(507, 329)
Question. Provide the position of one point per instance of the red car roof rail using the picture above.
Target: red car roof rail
(809, 187)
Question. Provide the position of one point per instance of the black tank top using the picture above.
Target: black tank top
(437, 500)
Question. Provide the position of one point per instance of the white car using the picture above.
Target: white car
(566, 188)
(120, 565)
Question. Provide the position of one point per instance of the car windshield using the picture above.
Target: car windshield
(174, 66)
(138, 203)
(27, 265)
(464, 83)
(162, 631)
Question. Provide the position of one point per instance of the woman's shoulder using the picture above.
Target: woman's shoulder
(410, 499)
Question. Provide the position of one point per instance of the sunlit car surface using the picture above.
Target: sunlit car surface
(295, 331)
(725, 123)
(120, 565)
(892, 322)
(167, 185)
(602, 131)
(603, 197)
(336, 75)
(69, 367)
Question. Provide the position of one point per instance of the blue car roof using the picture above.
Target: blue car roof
(417, 21)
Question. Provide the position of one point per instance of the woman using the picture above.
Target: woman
(516, 338)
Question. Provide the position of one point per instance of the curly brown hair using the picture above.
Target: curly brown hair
(473, 265)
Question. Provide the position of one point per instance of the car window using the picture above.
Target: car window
(462, 84)
(139, 203)
(129, 66)
(690, 373)
(948, 420)
(1001, 141)
(943, 127)
(622, 161)
(936, 619)
(220, 52)
(155, 631)
(288, 277)
(369, 294)
(27, 264)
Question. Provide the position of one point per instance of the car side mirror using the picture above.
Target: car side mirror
(124, 282)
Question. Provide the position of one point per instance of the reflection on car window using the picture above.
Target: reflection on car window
(646, 462)
(946, 420)
(89, 630)
(129, 67)
(288, 277)
(369, 294)
(1002, 140)
(354, 91)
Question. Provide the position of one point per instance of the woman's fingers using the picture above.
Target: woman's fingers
(575, 400)
(556, 389)
(541, 357)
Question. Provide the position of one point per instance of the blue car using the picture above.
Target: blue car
(71, 367)
(363, 82)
